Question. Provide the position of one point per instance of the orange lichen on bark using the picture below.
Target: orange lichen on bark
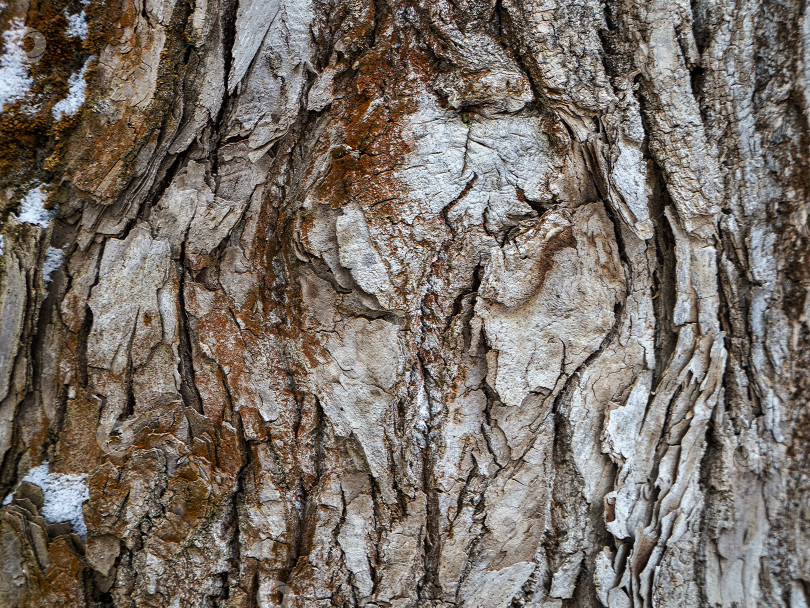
(27, 126)
(383, 89)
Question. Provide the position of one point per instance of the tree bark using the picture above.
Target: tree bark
(472, 303)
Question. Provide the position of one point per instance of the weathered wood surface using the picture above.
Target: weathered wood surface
(473, 303)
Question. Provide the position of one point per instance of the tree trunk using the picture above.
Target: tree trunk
(470, 303)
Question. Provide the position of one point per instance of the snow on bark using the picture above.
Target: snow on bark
(63, 496)
(32, 208)
(77, 26)
(15, 78)
(76, 92)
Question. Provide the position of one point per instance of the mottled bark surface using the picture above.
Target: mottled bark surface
(474, 303)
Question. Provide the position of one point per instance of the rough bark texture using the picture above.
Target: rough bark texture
(474, 303)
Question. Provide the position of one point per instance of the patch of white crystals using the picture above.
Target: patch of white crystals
(15, 79)
(76, 89)
(77, 26)
(32, 209)
(53, 260)
(64, 496)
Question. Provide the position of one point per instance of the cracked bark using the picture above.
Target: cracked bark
(482, 304)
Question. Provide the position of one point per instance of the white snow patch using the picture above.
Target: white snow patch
(53, 260)
(76, 89)
(31, 109)
(2, 244)
(64, 496)
(77, 26)
(32, 209)
(15, 80)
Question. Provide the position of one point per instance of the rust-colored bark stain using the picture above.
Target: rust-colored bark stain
(113, 135)
(98, 146)
(27, 128)
(372, 103)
